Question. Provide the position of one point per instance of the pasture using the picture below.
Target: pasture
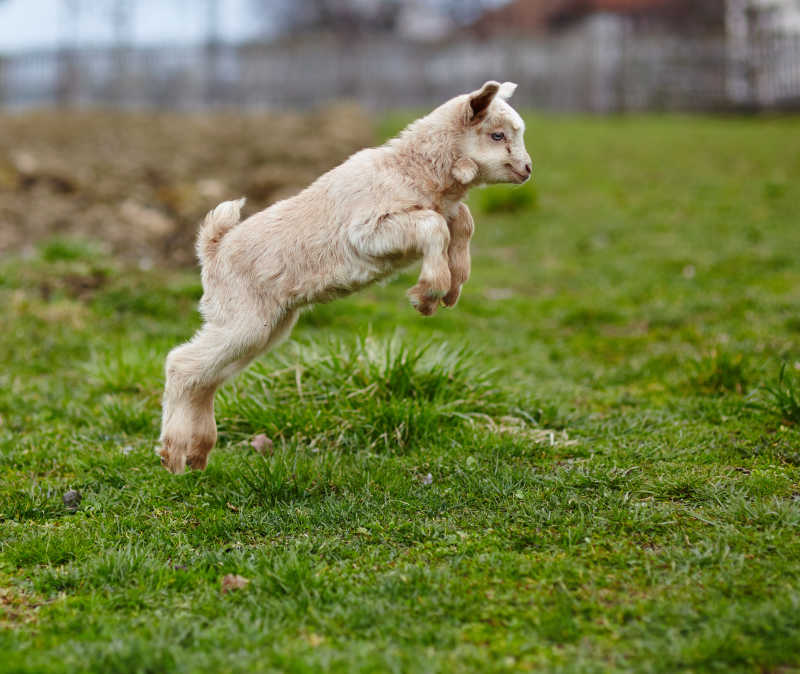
(591, 464)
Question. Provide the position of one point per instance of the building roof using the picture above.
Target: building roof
(532, 16)
(519, 16)
(626, 5)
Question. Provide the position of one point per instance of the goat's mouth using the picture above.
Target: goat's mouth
(520, 177)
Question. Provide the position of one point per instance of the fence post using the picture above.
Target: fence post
(121, 17)
(739, 53)
(68, 73)
(621, 88)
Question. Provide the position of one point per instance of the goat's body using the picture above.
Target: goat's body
(310, 248)
(374, 214)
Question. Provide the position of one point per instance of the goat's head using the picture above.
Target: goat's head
(491, 147)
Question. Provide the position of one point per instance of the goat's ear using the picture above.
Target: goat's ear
(507, 90)
(479, 100)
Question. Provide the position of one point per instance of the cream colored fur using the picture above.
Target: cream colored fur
(379, 211)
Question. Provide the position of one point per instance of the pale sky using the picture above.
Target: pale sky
(28, 24)
(34, 24)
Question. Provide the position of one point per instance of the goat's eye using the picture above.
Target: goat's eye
(498, 135)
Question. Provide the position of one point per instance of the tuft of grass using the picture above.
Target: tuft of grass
(719, 372)
(783, 396)
(130, 416)
(68, 249)
(374, 393)
(567, 493)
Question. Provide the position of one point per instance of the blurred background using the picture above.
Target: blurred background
(592, 463)
(124, 121)
(578, 55)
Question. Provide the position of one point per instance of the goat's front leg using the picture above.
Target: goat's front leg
(411, 233)
(433, 237)
(461, 228)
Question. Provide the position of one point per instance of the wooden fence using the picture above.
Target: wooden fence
(601, 66)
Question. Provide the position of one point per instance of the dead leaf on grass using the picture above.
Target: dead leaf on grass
(16, 609)
(232, 582)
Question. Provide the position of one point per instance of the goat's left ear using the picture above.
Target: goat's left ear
(506, 90)
(479, 100)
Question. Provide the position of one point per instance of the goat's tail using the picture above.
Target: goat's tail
(216, 225)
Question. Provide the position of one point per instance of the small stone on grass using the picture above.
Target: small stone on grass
(262, 444)
(72, 499)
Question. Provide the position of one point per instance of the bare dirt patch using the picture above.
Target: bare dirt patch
(16, 609)
(141, 182)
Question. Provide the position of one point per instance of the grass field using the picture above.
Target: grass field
(591, 464)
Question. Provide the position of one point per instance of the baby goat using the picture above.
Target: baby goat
(379, 211)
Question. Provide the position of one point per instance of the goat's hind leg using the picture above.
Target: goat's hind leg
(194, 371)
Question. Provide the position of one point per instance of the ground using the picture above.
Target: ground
(591, 464)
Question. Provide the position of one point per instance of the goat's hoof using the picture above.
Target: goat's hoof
(197, 461)
(177, 459)
(428, 308)
(425, 297)
(452, 296)
(173, 461)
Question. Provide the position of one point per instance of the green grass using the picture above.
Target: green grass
(591, 464)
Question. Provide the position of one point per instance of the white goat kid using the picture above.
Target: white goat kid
(377, 212)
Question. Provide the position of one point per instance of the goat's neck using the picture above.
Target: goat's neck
(431, 170)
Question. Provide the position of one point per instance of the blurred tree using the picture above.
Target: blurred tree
(2, 75)
(122, 28)
(68, 63)
(467, 11)
(212, 50)
(293, 16)
(120, 14)
(122, 20)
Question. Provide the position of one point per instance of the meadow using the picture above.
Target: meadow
(591, 464)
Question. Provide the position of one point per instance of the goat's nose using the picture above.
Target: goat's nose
(528, 168)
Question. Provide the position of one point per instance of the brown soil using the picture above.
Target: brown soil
(141, 182)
